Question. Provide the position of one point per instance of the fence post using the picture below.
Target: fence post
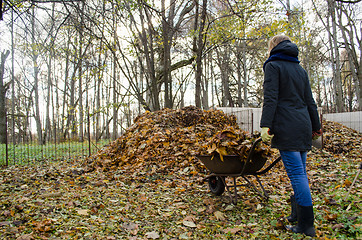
(6, 139)
(252, 121)
(321, 121)
(89, 138)
(55, 138)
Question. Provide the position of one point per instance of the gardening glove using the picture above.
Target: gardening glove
(316, 134)
(265, 135)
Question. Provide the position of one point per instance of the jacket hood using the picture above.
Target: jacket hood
(286, 47)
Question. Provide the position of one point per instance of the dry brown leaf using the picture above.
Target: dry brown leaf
(152, 235)
(330, 217)
(219, 216)
(232, 230)
(131, 227)
(189, 224)
(83, 212)
(26, 237)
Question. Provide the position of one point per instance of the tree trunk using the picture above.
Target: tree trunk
(3, 125)
(238, 74)
(49, 93)
(167, 23)
(149, 54)
(353, 59)
(36, 80)
(199, 50)
(223, 62)
(336, 60)
(80, 74)
(245, 71)
(12, 75)
(64, 124)
(198, 58)
(205, 88)
(71, 109)
(115, 95)
(47, 130)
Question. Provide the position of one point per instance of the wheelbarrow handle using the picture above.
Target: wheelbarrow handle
(270, 166)
(251, 152)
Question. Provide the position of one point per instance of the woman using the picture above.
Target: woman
(290, 119)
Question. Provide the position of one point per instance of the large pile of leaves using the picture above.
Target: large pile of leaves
(339, 139)
(169, 139)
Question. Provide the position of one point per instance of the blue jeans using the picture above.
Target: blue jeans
(295, 165)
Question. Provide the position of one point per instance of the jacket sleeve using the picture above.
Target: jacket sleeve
(271, 92)
(312, 107)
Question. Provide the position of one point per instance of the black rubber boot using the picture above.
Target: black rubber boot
(305, 221)
(293, 205)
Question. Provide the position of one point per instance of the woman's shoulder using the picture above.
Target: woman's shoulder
(273, 64)
(284, 63)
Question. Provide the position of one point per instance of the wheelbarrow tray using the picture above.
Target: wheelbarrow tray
(232, 164)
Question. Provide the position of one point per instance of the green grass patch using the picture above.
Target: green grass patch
(33, 153)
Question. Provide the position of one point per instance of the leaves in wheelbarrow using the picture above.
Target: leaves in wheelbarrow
(234, 141)
(222, 151)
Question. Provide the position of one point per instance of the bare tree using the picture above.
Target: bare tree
(335, 57)
(3, 88)
(198, 47)
(353, 45)
(35, 54)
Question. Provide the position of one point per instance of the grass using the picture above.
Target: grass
(33, 153)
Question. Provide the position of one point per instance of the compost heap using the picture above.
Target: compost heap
(170, 140)
(339, 139)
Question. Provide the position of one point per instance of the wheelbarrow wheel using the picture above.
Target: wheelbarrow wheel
(216, 185)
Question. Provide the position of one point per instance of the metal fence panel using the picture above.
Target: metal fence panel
(22, 146)
(349, 119)
(248, 119)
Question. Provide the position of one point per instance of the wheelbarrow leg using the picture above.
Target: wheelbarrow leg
(266, 195)
(235, 191)
(234, 199)
(255, 188)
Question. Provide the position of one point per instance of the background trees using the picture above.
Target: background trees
(81, 67)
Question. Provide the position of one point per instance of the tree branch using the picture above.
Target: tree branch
(345, 1)
(177, 65)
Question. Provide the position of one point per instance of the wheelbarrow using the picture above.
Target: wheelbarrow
(232, 166)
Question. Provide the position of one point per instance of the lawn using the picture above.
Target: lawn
(35, 153)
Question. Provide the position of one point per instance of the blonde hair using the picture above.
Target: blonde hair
(274, 41)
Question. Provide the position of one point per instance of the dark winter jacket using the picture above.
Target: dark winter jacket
(289, 109)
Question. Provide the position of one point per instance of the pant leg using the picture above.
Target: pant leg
(304, 161)
(294, 163)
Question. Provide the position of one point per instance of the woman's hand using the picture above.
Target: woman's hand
(265, 136)
(316, 134)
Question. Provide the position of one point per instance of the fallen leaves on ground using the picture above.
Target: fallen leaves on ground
(64, 200)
